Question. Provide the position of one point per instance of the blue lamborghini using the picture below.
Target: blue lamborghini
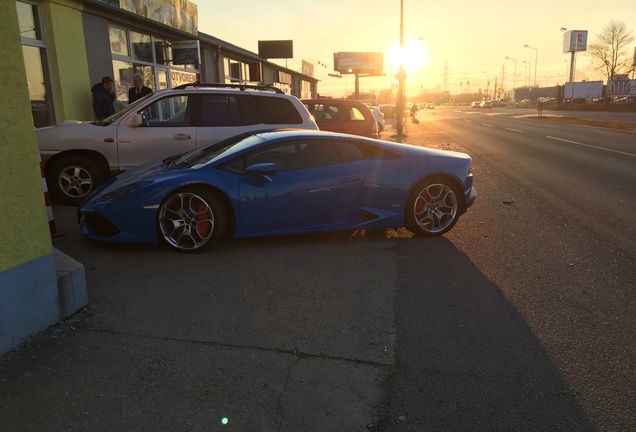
(281, 182)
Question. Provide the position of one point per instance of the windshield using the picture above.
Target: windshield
(108, 120)
(208, 154)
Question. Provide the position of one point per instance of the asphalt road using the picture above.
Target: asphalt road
(521, 318)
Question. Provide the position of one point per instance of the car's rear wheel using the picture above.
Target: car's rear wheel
(433, 208)
(72, 178)
(189, 220)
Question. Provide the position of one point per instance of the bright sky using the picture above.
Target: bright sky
(470, 38)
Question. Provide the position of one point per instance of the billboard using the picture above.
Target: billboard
(185, 52)
(585, 89)
(358, 62)
(621, 85)
(308, 68)
(574, 41)
(276, 49)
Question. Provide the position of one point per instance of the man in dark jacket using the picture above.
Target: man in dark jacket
(138, 90)
(103, 98)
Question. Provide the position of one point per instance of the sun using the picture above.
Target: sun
(413, 56)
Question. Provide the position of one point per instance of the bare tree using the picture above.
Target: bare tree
(611, 52)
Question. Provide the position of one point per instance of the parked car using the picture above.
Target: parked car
(485, 104)
(476, 104)
(525, 103)
(379, 117)
(343, 116)
(388, 110)
(78, 156)
(498, 103)
(430, 105)
(276, 183)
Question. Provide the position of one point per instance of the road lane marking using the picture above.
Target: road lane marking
(486, 124)
(514, 130)
(591, 146)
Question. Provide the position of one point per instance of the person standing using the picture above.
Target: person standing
(103, 98)
(138, 90)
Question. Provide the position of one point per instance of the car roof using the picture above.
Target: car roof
(333, 102)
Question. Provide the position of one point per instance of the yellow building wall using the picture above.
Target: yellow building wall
(69, 64)
(24, 231)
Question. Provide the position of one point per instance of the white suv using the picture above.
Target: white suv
(78, 156)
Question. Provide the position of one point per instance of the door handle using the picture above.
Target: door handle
(182, 137)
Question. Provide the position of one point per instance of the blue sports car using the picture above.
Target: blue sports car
(281, 182)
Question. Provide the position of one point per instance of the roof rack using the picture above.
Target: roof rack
(241, 87)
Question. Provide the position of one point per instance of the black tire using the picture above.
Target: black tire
(191, 219)
(433, 208)
(72, 178)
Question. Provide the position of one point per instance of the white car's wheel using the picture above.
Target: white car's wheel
(73, 178)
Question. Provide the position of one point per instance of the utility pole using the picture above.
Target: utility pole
(401, 75)
(445, 76)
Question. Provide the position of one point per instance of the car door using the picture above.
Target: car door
(311, 189)
(168, 128)
(224, 115)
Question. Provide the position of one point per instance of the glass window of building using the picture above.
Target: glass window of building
(36, 63)
(141, 47)
(134, 52)
(118, 41)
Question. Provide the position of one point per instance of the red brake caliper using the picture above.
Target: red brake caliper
(203, 228)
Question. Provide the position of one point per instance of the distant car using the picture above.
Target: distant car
(475, 104)
(498, 104)
(379, 117)
(388, 110)
(430, 105)
(277, 183)
(79, 156)
(485, 104)
(525, 103)
(344, 116)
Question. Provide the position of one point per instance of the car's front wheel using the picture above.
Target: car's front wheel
(190, 219)
(433, 208)
(72, 178)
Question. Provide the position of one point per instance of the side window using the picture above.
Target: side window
(326, 113)
(296, 155)
(226, 110)
(355, 114)
(313, 154)
(167, 112)
(348, 151)
(277, 110)
(279, 154)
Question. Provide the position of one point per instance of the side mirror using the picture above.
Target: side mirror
(263, 170)
(135, 120)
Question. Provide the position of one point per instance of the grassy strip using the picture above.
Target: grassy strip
(586, 122)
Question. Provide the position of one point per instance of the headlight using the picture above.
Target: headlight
(114, 196)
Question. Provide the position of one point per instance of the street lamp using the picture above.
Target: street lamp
(530, 71)
(514, 88)
(536, 56)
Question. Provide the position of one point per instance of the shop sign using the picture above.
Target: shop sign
(180, 77)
